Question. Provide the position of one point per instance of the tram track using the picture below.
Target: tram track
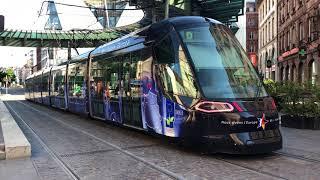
(250, 169)
(150, 164)
(67, 169)
(297, 157)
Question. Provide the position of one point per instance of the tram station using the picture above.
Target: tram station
(157, 89)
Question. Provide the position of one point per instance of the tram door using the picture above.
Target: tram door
(131, 99)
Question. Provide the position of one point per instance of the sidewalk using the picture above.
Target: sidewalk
(16, 144)
(301, 142)
(15, 169)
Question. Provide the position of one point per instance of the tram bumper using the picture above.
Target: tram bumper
(257, 142)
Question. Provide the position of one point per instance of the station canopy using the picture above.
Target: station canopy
(226, 11)
(57, 38)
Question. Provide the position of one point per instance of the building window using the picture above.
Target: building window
(251, 36)
(301, 31)
(269, 31)
(309, 28)
(272, 25)
(288, 40)
(293, 35)
(251, 47)
(312, 72)
(300, 72)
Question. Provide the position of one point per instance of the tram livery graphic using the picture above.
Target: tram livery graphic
(184, 77)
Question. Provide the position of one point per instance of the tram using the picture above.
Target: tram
(184, 77)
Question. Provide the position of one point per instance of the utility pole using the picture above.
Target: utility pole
(6, 84)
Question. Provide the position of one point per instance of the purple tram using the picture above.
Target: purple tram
(184, 77)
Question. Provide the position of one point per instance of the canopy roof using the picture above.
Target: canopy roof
(83, 38)
(226, 11)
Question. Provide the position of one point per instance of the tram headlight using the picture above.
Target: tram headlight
(213, 107)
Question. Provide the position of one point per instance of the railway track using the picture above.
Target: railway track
(297, 157)
(72, 175)
(68, 170)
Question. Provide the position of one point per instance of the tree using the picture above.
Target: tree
(2, 75)
(11, 75)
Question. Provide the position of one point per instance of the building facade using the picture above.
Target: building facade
(298, 40)
(267, 10)
(252, 32)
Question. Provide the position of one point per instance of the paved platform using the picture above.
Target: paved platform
(15, 143)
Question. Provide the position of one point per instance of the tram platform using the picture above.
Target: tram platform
(13, 143)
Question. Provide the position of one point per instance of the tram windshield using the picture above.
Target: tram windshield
(222, 68)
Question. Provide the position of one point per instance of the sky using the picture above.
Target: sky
(23, 15)
(19, 14)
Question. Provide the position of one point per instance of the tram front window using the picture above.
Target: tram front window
(221, 65)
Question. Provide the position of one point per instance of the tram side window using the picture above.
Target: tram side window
(97, 83)
(135, 74)
(164, 51)
(176, 74)
(58, 82)
(126, 75)
(45, 83)
(113, 77)
(76, 83)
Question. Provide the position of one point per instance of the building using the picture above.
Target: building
(26, 70)
(252, 32)
(298, 40)
(267, 10)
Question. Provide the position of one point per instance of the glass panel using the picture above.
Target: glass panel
(126, 75)
(176, 74)
(135, 74)
(76, 82)
(58, 83)
(222, 67)
(114, 77)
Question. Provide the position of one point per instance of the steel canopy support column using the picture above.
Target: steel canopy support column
(187, 7)
(166, 9)
(69, 51)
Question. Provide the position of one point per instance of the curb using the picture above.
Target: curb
(16, 144)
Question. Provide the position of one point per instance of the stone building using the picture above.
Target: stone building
(298, 40)
(252, 32)
(267, 37)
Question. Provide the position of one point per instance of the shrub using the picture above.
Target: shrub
(298, 99)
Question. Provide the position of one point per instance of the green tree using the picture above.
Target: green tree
(10, 74)
(2, 75)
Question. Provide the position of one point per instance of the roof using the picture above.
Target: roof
(77, 38)
(225, 11)
(221, 10)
